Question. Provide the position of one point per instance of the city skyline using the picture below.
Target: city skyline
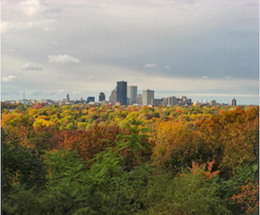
(194, 48)
(204, 100)
(128, 98)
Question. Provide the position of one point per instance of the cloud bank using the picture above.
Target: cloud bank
(62, 59)
(9, 78)
(31, 66)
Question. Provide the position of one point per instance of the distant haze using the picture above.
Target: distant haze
(201, 49)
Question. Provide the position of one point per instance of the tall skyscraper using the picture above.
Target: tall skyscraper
(113, 96)
(234, 102)
(147, 97)
(122, 92)
(132, 94)
(102, 96)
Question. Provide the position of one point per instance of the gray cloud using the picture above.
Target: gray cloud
(8, 93)
(50, 94)
(9, 78)
(36, 93)
(31, 66)
(92, 38)
(76, 92)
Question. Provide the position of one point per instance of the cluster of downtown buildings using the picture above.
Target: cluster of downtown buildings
(123, 95)
(127, 95)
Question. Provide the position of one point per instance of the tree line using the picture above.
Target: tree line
(84, 159)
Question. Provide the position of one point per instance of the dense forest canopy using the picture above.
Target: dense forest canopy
(84, 159)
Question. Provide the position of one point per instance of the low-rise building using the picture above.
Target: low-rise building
(90, 99)
(213, 103)
(156, 102)
(139, 99)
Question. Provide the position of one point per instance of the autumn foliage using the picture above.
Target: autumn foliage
(148, 153)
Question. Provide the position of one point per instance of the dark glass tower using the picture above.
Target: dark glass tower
(90, 99)
(121, 92)
(234, 102)
(102, 96)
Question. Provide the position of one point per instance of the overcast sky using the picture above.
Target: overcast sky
(198, 48)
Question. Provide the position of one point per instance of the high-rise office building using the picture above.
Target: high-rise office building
(234, 102)
(122, 92)
(147, 97)
(102, 97)
(131, 94)
(113, 96)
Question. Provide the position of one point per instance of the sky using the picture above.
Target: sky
(202, 49)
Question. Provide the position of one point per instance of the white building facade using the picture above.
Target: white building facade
(131, 94)
(148, 95)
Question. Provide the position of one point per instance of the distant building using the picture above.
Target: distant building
(164, 101)
(67, 100)
(234, 102)
(156, 102)
(148, 95)
(196, 103)
(122, 92)
(113, 97)
(45, 101)
(204, 101)
(189, 102)
(82, 101)
(25, 102)
(90, 99)
(213, 103)
(139, 99)
(131, 94)
(33, 101)
(9, 102)
(102, 97)
(172, 101)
